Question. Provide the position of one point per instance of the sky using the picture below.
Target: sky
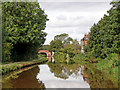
(73, 18)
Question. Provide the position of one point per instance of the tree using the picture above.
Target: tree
(45, 47)
(68, 58)
(76, 44)
(105, 35)
(55, 45)
(67, 41)
(23, 23)
(64, 38)
(57, 69)
(61, 37)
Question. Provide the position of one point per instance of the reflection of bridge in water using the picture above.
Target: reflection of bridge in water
(50, 59)
(49, 54)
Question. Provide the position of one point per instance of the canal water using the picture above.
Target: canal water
(55, 75)
(49, 76)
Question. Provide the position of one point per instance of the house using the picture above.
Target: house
(84, 41)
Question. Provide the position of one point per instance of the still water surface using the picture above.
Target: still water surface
(51, 81)
(49, 76)
(56, 75)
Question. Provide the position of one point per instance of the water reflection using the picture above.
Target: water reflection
(98, 79)
(26, 79)
(55, 75)
(85, 76)
(61, 76)
(51, 59)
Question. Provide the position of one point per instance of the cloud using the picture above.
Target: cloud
(61, 17)
(75, 0)
(74, 6)
(75, 21)
(73, 18)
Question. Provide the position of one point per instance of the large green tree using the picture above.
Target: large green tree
(64, 38)
(55, 45)
(105, 35)
(59, 42)
(23, 25)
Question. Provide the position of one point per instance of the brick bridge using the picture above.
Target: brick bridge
(45, 51)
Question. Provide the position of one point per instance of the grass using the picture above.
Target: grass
(108, 66)
(6, 68)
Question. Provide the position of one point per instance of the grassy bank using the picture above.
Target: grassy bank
(6, 68)
(108, 66)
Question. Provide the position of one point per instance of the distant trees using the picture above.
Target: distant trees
(44, 47)
(22, 27)
(64, 38)
(72, 49)
(105, 35)
(63, 41)
(55, 45)
(64, 47)
(59, 42)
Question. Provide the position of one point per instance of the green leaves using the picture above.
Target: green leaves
(23, 24)
(55, 45)
(104, 38)
(64, 38)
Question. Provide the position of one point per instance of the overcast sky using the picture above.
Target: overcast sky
(73, 18)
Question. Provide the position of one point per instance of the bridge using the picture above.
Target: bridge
(45, 51)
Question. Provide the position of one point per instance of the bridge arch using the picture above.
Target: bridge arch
(45, 51)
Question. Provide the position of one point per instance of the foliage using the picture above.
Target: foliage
(57, 69)
(61, 37)
(64, 38)
(45, 47)
(42, 56)
(65, 48)
(6, 68)
(109, 66)
(67, 41)
(110, 62)
(103, 45)
(23, 23)
(80, 58)
(69, 50)
(105, 35)
(55, 45)
(104, 71)
(60, 57)
(68, 58)
(101, 79)
(63, 71)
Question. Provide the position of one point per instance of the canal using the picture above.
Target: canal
(56, 75)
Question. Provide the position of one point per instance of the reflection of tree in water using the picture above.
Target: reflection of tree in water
(57, 69)
(28, 79)
(97, 79)
(72, 69)
(63, 70)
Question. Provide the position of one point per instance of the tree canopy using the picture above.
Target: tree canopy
(55, 45)
(64, 38)
(23, 25)
(105, 35)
